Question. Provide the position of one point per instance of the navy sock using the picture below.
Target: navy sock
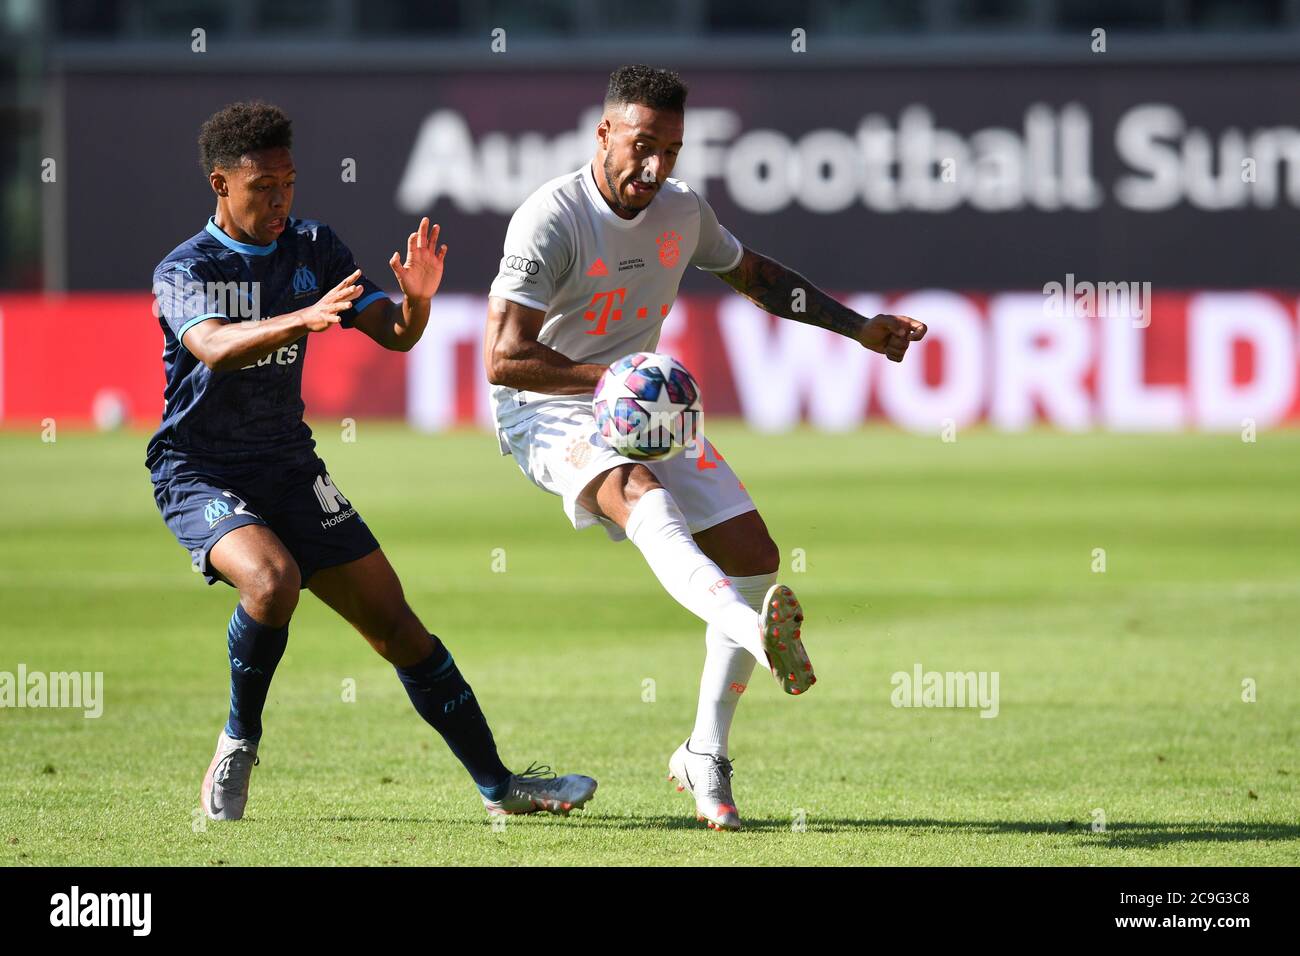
(255, 650)
(443, 698)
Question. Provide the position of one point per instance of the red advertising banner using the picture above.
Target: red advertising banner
(1206, 360)
(98, 358)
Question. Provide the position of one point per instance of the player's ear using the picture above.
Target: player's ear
(219, 184)
(602, 132)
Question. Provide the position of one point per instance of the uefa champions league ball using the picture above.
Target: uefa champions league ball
(647, 406)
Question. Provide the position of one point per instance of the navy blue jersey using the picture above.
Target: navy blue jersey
(253, 414)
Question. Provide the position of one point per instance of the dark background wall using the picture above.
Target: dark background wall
(129, 141)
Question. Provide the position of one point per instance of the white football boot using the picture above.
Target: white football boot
(707, 778)
(225, 785)
(537, 788)
(780, 619)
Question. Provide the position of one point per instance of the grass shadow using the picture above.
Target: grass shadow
(1121, 835)
(1116, 835)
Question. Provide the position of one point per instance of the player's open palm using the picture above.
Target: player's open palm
(891, 335)
(421, 273)
(326, 310)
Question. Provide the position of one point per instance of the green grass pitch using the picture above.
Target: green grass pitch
(1121, 693)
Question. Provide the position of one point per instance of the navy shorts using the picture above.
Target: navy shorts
(299, 503)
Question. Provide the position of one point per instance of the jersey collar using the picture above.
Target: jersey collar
(602, 207)
(243, 247)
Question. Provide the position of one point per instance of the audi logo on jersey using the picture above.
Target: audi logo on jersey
(520, 264)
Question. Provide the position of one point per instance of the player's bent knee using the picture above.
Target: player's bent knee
(612, 493)
(640, 479)
(270, 591)
(618, 490)
(753, 559)
(400, 638)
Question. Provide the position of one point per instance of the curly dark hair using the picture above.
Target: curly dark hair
(646, 86)
(242, 128)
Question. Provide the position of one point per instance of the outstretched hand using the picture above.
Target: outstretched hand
(421, 274)
(891, 335)
(323, 313)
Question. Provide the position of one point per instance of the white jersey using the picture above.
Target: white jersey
(605, 283)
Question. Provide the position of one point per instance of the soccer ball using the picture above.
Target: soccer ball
(647, 406)
(109, 409)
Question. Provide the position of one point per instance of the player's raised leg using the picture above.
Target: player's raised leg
(367, 593)
(632, 497)
(742, 547)
(257, 563)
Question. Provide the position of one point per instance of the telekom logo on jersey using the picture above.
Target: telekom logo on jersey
(605, 302)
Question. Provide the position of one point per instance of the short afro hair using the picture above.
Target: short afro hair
(242, 128)
(646, 86)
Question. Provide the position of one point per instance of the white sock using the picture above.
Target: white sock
(656, 526)
(727, 669)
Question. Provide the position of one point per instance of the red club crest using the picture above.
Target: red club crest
(668, 251)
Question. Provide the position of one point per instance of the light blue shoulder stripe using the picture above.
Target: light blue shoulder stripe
(364, 301)
(180, 336)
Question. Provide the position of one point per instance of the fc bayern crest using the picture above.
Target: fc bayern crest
(668, 251)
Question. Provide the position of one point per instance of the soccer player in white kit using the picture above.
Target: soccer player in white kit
(591, 266)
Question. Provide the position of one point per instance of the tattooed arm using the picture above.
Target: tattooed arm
(774, 288)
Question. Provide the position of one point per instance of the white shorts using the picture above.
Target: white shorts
(561, 450)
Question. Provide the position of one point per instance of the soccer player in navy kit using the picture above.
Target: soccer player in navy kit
(233, 465)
